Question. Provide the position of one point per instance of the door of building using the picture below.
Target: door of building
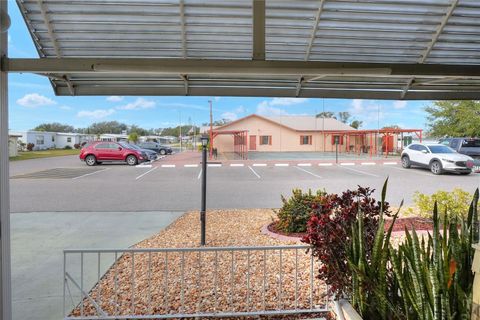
(253, 143)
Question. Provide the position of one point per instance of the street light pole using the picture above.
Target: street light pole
(203, 216)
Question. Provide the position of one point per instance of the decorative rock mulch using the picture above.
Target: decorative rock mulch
(156, 286)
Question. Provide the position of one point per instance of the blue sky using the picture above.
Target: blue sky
(32, 102)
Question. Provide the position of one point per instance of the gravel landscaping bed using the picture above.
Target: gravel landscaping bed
(224, 281)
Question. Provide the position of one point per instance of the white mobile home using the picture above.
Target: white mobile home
(43, 140)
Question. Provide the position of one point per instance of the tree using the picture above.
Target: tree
(326, 114)
(356, 124)
(454, 118)
(344, 116)
(220, 122)
(54, 127)
(393, 126)
(107, 127)
(133, 137)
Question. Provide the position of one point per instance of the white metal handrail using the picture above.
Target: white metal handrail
(223, 266)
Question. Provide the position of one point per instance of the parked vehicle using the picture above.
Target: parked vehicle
(437, 157)
(151, 155)
(163, 150)
(102, 151)
(468, 146)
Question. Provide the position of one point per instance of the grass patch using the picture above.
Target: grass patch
(25, 155)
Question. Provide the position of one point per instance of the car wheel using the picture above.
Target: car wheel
(465, 173)
(163, 152)
(406, 162)
(90, 160)
(436, 167)
(131, 160)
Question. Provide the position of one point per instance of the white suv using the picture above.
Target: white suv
(437, 157)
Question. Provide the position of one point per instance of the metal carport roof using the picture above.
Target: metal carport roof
(331, 48)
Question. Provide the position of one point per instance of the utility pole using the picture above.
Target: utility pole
(180, 127)
(211, 130)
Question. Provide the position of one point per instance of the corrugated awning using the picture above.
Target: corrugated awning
(370, 48)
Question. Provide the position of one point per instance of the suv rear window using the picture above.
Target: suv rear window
(471, 143)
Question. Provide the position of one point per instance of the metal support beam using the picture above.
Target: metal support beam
(314, 29)
(407, 87)
(237, 67)
(439, 31)
(258, 30)
(299, 86)
(5, 257)
(183, 28)
(51, 33)
(185, 82)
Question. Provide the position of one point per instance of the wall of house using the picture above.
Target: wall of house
(49, 140)
(282, 139)
(63, 141)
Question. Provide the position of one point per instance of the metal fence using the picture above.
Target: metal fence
(167, 283)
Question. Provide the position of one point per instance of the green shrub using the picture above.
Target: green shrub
(427, 277)
(296, 210)
(30, 146)
(456, 203)
(67, 147)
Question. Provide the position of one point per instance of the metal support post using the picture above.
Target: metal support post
(204, 194)
(5, 266)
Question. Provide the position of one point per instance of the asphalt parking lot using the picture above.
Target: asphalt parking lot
(164, 186)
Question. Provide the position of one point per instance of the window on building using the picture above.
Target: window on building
(305, 139)
(40, 140)
(265, 140)
(69, 139)
(53, 138)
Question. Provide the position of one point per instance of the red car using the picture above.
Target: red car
(100, 151)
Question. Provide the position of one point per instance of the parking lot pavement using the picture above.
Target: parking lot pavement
(38, 241)
(124, 188)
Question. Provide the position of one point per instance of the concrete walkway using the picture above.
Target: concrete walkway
(38, 240)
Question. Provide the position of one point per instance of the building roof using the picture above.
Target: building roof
(297, 123)
(378, 49)
(311, 123)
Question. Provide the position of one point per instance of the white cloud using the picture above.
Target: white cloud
(240, 109)
(217, 98)
(231, 116)
(399, 104)
(138, 104)
(264, 109)
(287, 101)
(34, 100)
(65, 107)
(95, 114)
(114, 98)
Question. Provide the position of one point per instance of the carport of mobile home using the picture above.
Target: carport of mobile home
(331, 49)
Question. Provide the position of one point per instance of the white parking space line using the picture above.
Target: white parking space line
(311, 173)
(368, 163)
(143, 166)
(304, 165)
(89, 174)
(191, 165)
(199, 174)
(347, 163)
(362, 172)
(168, 166)
(145, 173)
(281, 164)
(259, 164)
(390, 163)
(214, 164)
(325, 164)
(236, 164)
(254, 172)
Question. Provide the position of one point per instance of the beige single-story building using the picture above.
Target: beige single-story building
(304, 134)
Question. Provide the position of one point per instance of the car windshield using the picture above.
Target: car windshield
(441, 149)
(471, 143)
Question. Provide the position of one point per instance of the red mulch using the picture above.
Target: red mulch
(400, 224)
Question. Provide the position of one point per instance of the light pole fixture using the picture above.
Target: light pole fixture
(204, 140)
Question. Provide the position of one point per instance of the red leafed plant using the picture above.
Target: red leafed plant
(329, 232)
